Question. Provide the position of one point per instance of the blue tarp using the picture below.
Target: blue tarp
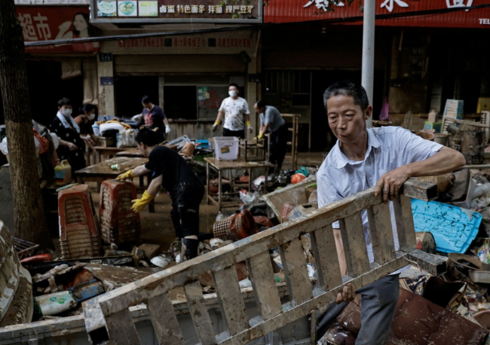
(453, 228)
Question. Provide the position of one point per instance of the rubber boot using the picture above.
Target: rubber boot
(189, 249)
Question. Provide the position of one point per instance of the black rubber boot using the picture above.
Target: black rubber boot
(189, 248)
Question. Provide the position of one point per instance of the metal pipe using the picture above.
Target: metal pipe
(368, 28)
(477, 166)
(246, 27)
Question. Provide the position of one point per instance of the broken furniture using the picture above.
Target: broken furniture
(294, 139)
(108, 317)
(295, 194)
(469, 138)
(252, 150)
(106, 151)
(102, 171)
(118, 224)
(221, 166)
(15, 284)
(79, 229)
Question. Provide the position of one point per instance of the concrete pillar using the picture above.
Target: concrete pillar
(368, 50)
(107, 105)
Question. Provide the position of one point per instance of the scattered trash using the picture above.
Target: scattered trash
(56, 303)
(161, 261)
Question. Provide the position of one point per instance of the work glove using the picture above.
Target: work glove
(167, 129)
(216, 123)
(260, 136)
(250, 128)
(128, 174)
(139, 204)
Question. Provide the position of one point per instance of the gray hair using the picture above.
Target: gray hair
(347, 88)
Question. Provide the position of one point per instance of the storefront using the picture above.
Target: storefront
(420, 61)
(58, 71)
(188, 76)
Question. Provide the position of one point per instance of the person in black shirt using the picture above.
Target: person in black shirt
(170, 171)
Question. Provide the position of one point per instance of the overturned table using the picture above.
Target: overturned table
(102, 171)
(219, 166)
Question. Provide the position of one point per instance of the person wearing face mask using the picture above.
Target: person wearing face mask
(153, 117)
(72, 147)
(85, 121)
(235, 111)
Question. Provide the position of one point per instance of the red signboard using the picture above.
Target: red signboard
(42, 23)
(284, 11)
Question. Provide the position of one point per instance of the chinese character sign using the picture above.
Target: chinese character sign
(50, 23)
(180, 11)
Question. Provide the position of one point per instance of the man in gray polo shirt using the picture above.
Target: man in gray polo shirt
(363, 158)
(271, 119)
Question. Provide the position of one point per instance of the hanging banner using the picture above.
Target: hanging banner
(176, 11)
(42, 23)
(286, 11)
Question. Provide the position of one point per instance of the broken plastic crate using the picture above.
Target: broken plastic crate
(117, 222)
(79, 235)
(453, 228)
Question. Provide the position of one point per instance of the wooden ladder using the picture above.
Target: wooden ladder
(108, 317)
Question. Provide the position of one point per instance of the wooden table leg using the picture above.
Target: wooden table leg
(208, 179)
(250, 178)
(219, 190)
(151, 207)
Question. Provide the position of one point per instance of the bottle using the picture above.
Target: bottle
(96, 129)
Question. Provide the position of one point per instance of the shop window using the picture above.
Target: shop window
(193, 102)
(180, 102)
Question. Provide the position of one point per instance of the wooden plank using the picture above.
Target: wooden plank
(327, 261)
(232, 305)
(356, 255)
(176, 276)
(164, 320)
(122, 329)
(404, 223)
(431, 263)
(199, 313)
(417, 189)
(262, 276)
(381, 231)
(317, 302)
(295, 271)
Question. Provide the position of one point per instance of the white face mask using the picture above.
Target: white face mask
(66, 112)
(91, 117)
(233, 93)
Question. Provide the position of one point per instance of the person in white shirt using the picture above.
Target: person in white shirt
(235, 111)
(363, 158)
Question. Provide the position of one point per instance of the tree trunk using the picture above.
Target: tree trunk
(30, 223)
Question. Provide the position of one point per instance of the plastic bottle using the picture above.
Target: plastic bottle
(96, 129)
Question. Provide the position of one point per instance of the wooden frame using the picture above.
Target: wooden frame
(109, 318)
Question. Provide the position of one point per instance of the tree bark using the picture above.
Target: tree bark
(29, 219)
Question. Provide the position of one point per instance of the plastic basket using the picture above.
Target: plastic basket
(221, 230)
(226, 148)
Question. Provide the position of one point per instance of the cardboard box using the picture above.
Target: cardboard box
(483, 104)
(454, 109)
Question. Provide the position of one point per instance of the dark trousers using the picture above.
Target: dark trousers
(278, 146)
(379, 301)
(228, 133)
(185, 212)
